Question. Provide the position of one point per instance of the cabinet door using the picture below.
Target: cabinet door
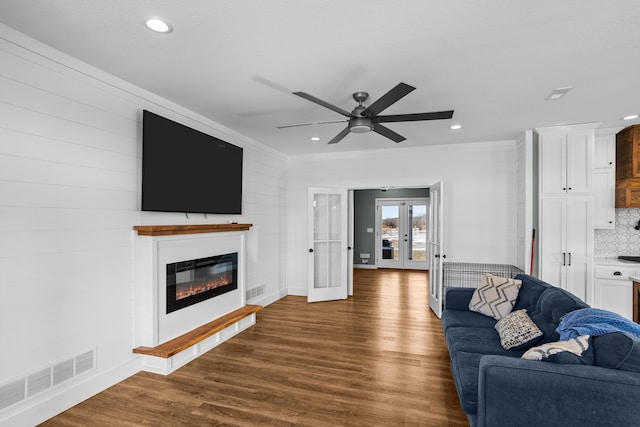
(579, 159)
(553, 253)
(579, 247)
(615, 295)
(553, 163)
(604, 151)
(604, 191)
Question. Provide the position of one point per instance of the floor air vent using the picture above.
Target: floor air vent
(44, 379)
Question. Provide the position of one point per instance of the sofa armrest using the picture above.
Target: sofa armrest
(458, 298)
(512, 391)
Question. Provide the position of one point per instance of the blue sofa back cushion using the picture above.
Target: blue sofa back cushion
(529, 293)
(617, 350)
(551, 306)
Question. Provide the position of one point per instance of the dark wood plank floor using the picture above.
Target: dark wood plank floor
(376, 359)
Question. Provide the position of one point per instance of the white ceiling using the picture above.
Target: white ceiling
(493, 61)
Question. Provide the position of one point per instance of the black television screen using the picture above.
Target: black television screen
(184, 170)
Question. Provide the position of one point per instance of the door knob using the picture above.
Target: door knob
(310, 250)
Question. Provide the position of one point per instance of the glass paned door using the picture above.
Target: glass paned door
(327, 245)
(436, 244)
(402, 233)
(417, 234)
(389, 230)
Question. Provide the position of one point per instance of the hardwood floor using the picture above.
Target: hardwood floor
(376, 359)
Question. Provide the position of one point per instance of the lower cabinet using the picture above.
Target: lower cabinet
(566, 244)
(614, 289)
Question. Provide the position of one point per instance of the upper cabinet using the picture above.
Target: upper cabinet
(566, 159)
(628, 167)
(604, 179)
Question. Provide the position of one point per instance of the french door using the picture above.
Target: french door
(327, 244)
(402, 233)
(436, 247)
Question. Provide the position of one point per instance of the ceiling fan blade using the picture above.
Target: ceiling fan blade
(323, 103)
(339, 136)
(436, 115)
(385, 131)
(388, 99)
(311, 123)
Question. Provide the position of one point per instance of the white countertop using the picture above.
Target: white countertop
(615, 262)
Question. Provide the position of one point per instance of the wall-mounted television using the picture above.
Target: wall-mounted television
(185, 170)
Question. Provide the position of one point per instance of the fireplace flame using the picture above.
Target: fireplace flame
(188, 290)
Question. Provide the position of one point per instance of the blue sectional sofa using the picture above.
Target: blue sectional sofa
(498, 388)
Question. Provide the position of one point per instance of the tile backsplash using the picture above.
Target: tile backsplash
(624, 240)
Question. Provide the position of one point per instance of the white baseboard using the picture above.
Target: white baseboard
(366, 266)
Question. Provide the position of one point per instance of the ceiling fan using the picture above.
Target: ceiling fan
(366, 119)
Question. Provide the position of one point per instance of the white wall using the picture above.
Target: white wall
(70, 141)
(479, 196)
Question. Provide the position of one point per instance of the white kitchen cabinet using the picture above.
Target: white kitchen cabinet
(566, 243)
(604, 193)
(566, 161)
(614, 289)
(605, 150)
(604, 181)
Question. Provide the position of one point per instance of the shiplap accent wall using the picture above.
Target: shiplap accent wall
(479, 195)
(70, 144)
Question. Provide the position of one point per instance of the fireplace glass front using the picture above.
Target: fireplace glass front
(196, 280)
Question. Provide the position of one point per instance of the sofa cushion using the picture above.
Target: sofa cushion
(517, 331)
(617, 350)
(457, 318)
(476, 340)
(530, 292)
(465, 367)
(495, 296)
(552, 305)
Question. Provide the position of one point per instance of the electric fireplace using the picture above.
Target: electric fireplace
(190, 282)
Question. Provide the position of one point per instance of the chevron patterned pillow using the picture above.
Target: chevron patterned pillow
(495, 296)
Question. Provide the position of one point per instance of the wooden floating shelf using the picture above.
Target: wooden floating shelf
(169, 230)
(183, 342)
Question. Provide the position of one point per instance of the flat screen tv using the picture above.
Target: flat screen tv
(185, 170)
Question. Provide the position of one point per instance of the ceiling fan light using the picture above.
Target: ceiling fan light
(360, 125)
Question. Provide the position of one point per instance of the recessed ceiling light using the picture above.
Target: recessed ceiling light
(630, 117)
(558, 93)
(455, 127)
(158, 25)
(315, 138)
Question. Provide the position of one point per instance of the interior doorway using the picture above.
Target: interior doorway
(401, 233)
(365, 233)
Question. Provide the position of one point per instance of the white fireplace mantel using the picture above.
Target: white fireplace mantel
(157, 246)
